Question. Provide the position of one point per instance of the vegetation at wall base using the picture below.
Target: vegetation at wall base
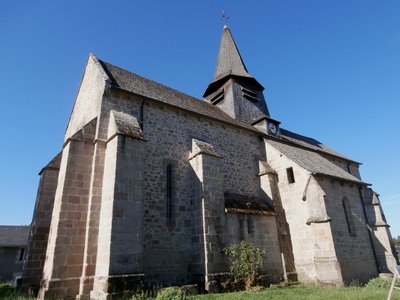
(305, 293)
(378, 282)
(8, 292)
(246, 259)
(376, 288)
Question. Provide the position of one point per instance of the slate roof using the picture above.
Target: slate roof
(229, 64)
(126, 125)
(139, 85)
(11, 236)
(236, 203)
(313, 162)
(54, 164)
(142, 86)
(309, 143)
(229, 60)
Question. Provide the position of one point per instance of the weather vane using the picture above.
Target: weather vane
(225, 17)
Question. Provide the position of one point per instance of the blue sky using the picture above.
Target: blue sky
(331, 70)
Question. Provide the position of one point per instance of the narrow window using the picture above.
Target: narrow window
(250, 225)
(349, 216)
(169, 192)
(290, 175)
(21, 254)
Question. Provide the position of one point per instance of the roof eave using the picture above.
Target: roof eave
(215, 84)
(288, 142)
(236, 125)
(341, 179)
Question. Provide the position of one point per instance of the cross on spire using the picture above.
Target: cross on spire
(225, 17)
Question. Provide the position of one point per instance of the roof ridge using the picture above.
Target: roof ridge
(140, 85)
(300, 141)
(155, 82)
(214, 111)
(314, 162)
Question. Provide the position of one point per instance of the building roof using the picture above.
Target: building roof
(54, 164)
(309, 143)
(12, 236)
(313, 162)
(236, 203)
(229, 64)
(139, 85)
(145, 87)
(229, 60)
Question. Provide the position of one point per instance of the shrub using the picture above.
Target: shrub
(171, 293)
(378, 282)
(6, 290)
(246, 259)
(141, 296)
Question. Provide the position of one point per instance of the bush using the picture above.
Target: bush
(6, 290)
(171, 293)
(378, 282)
(141, 296)
(246, 259)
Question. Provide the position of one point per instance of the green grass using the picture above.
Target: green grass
(8, 292)
(287, 293)
(306, 293)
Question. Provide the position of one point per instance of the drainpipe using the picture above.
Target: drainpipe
(368, 228)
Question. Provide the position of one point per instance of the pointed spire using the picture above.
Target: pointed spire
(229, 63)
(229, 60)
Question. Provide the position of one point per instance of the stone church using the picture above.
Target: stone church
(152, 184)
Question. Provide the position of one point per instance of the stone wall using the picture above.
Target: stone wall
(40, 226)
(120, 246)
(11, 266)
(208, 202)
(168, 249)
(308, 222)
(262, 231)
(65, 250)
(89, 97)
(93, 219)
(350, 234)
(381, 236)
(322, 240)
(147, 206)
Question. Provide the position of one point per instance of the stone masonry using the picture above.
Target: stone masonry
(151, 185)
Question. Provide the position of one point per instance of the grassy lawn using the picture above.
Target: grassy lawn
(287, 293)
(309, 293)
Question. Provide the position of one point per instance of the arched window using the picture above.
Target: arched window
(349, 216)
(169, 192)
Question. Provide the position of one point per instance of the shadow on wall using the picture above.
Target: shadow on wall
(360, 253)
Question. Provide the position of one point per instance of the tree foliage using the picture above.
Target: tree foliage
(246, 259)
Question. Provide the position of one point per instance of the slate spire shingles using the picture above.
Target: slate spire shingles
(229, 63)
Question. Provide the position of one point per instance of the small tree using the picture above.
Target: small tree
(246, 259)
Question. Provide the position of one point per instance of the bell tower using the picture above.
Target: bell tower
(235, 91)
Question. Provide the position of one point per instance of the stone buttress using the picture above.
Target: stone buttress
(119, 251)
(40, 226)
(209, 207)
(65, 250)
